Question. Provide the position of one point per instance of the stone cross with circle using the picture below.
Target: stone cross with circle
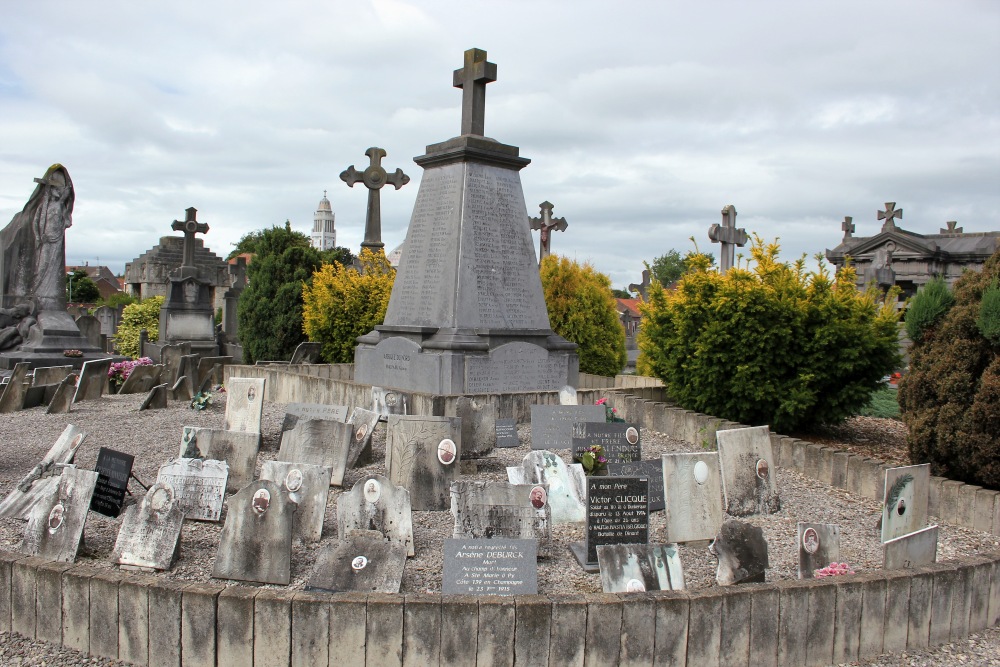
(374, 177)
(888, 214)
(190, 226)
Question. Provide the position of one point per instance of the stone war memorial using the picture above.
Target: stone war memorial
(467, 314)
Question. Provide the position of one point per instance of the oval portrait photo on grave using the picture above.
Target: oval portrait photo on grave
(77, 440)
(360, 433)
(635, 586)
(261, 501)
(251, 393)
(359, 563)
(293, 480)
(161, 497)
(901, 507)
(390, 399)
(632, 435)
(372, 490)
(762, 468)
(701, 472)
(810, 540)
(538, 497)
(56, 518)
(446, 451)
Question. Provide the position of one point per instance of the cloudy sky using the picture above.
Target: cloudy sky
(642, 119)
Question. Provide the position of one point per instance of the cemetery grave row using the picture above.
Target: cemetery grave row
(433, 528)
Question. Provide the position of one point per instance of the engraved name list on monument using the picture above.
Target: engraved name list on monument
(511, 367)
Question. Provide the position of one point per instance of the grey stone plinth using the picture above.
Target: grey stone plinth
(569, 624)
(604, 625)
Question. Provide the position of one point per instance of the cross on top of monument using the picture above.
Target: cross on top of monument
(952, 228)
(546, 224)
(848, 226)
(729, 236)
(888, 214)
(190, 226)
(374, 177)
(472, 79)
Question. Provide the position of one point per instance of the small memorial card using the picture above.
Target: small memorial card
(507, 433)
(490, 567)
(113, 471)
(652, 469)
(617, 513)
(619, 440)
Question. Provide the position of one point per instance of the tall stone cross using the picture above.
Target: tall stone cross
(190, 226)
(374, 177)
(888, 214)
(472, 79)
(848, 226)
(729, 236)
(546, 224)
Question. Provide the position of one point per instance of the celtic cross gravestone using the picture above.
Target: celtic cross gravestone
(374, 177)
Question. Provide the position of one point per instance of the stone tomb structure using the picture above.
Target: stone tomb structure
(256, 540)
(150, 534)
(637, 568)
(375, 503)
(467, 314)
(308, 486)
(55, 524)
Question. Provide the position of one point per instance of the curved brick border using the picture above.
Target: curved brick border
(146, 620)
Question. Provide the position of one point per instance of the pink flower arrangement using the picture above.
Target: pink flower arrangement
(833, 570)
(120, 370)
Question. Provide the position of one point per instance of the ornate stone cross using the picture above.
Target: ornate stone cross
(190, 226)
(888, 214)
(848, 226)
(472, 79)
(952, 228)
(547, 224)
(729, 236)
(374, 177)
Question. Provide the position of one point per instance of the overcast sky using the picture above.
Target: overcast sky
(642, 119)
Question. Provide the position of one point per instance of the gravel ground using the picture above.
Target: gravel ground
(154, 437)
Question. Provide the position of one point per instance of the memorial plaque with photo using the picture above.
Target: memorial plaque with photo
(617, 513)
(375, 503)
(637, 568)
(149, 537)
(490, 567)
(320, 442)
(237, 448)
(360, 450)
(904, 506)
(506, 430)
(652, 470)
(55, 524)
(199, 486)
(422, 456)
(501, 510)
(819, 545)
(552, 425)
(748, 471)
(478, 424)
(244, 404)
(692, 496)
(361, 564)
(113, 471)
(620, 440)
(256, 541)
(566, 484)
(390, 402)
(308, 486)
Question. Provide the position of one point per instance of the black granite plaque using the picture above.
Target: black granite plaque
(617, 513)
(552, 425)
(490, 567)
(507, 433)
(113, 470)
(653, 470)
(620, 440)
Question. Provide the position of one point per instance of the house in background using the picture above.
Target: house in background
(105, 279)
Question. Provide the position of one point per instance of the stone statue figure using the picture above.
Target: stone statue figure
(15, 323)
(33, 263)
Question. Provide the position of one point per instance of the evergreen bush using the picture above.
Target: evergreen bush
(144, 314)
(950, 399)
(769, 345)
(341, 304)
(927, 307)
(989, 314)
(582, 310)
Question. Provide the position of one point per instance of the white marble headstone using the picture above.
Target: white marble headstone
(199, 486)
(150, 533)
(244, 404)
(692, 495)
(55, 524)
(567, 484)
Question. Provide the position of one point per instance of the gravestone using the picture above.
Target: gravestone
(44, 477)
(552, 425)
(546, 224)
(498, 509)
(50, 374)
(742, 553)
(422, 456)
(375, 503)
(904, 506)
(637, 568)
(390, 402)
(108, 317)
(506, 433)
(62, 399)
(180, 390)
(256, 540)
(617, 513)
(188, 314)
(318, 442)
(113, 471)
(208, 373)
(12, 396)
(245, 404)
(187, 377)
(478, 430)
(199, 486)
(35, 396)
(237, 448)
(566, 484)
(490, 567)
(819, 545)
(156, 399)
(914, 550)
(567, 396)
(55, 524)
(359, 563)
(150, 534)
(692, 495)
(748, 470)
(296, 411)
(364, 423)
(729, 237)
(467, 314)
(93, 380)
(373, 178)
(171, 357)
(307, 486)
(90, 327)
(620, 440)
(306, 353)
(652, 470)
(231, 299)
(141, 379)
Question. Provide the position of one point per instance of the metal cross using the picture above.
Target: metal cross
(472, 79)
(374, 177)
(888, 214)
(848, 226)
(952, 228)
(190, 226)
(547, 224)
(729, 236)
